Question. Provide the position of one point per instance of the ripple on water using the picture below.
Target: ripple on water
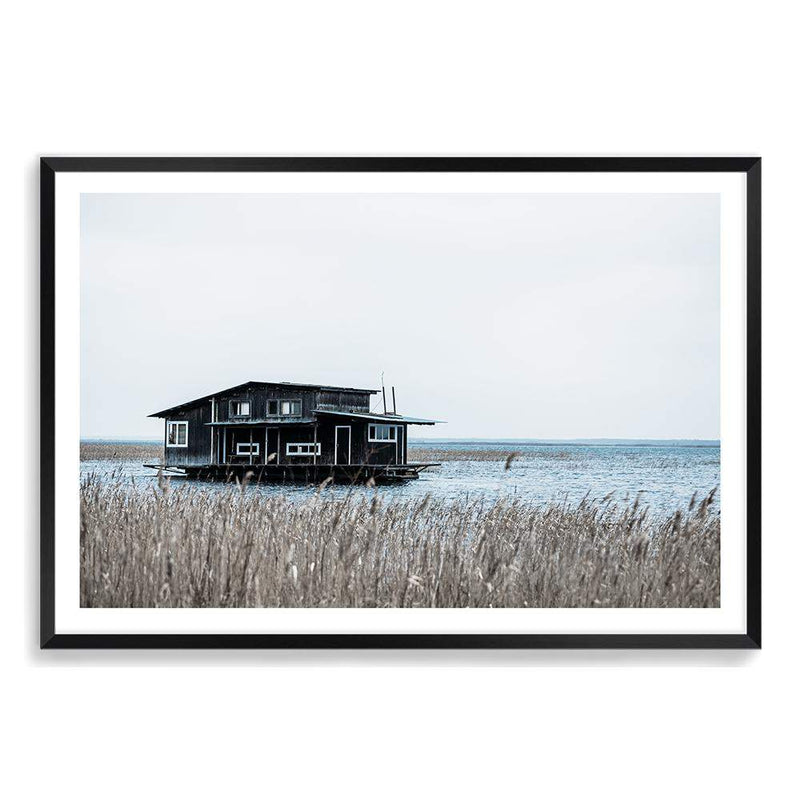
(664, 477)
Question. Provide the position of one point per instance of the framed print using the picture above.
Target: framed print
(400, 402)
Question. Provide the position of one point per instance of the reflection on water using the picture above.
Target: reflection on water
(666, 475)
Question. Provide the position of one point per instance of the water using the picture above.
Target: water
(664, 475)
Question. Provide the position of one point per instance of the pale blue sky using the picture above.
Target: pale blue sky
(519, 315)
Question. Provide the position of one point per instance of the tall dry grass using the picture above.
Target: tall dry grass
(121, 451)
(420, 454)
(234, 548)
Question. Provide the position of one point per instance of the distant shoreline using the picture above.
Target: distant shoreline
(712, 443)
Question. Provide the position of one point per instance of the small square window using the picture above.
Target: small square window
(177, 434)
(240, 408)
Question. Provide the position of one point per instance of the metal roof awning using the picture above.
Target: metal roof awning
(384, 418)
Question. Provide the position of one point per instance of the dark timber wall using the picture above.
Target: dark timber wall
(309, 398)
(198, 451)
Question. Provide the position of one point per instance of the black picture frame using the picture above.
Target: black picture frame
(51, 166)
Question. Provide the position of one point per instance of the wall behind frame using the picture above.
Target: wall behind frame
(615, 78)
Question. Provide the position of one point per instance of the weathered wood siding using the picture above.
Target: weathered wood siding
(310, 400)
(385, 452)
(357, 402)
(198, 449)
(258, 403)
(303, 435)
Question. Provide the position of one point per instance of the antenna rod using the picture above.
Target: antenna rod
(394, 403)
(383, 391)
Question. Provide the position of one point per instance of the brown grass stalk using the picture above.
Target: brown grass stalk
(187, 547)
(121, 451)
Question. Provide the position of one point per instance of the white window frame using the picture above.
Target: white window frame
(280, 403)
(302, 448)
(234, 403)
(290, 413)
(373, 429)
(253, 448)
(178, 423)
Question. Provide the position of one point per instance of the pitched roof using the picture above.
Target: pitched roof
(260, 384)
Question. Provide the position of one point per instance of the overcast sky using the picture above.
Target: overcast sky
(513, 316)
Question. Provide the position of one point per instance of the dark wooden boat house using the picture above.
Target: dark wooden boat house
(292, 431)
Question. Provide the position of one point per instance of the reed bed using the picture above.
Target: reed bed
(121, 451)
(420, 454)
(168, 547)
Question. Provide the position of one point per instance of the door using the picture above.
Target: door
(342, 449)
(272, 455)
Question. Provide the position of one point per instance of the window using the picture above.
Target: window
(383, 433)
(247, 448)
(284, 408)
(177, 434)
(240, 408)
(291, 408)
(303, 449)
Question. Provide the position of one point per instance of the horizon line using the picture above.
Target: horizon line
(537, 440)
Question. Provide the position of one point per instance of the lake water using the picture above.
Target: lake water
(664, 475)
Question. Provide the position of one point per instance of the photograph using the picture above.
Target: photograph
(534, 421)
(405, 398)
